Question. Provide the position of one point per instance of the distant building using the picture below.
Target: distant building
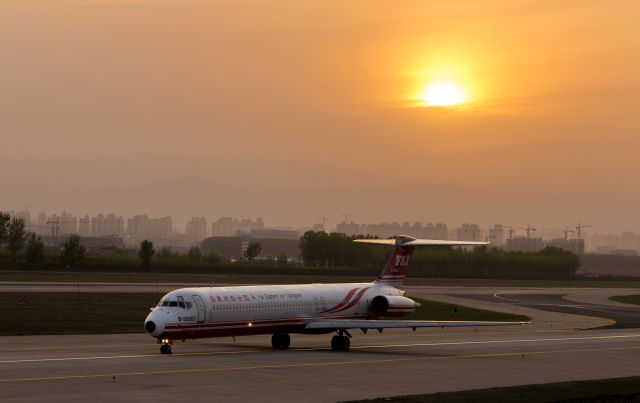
(141, 227)
(496, 235)
(350, 228)
(524, 244)
(386, 230)
(84, 226)
(196, 230)
(272, 233)
(227, 226)
(572, 245)
(64, 224)
(104, 226)
(468, 232)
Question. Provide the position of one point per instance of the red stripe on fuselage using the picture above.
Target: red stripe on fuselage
(341, 304)
(355, 300)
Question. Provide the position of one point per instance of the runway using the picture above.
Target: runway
(396, 362)
(129, 367)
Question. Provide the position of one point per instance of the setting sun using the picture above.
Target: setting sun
(442, 93)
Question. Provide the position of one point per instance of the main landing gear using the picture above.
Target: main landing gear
(341, 342)
(165, 347)
(280, 341)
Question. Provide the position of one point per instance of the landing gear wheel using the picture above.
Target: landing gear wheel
(340, 343)
(165, 349)
(280, 341)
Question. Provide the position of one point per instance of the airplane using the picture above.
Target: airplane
(205, 312)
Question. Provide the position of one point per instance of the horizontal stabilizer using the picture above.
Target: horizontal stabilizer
(419, 242)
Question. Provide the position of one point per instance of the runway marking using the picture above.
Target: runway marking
(303, 365)
(306, 338)
(449, 343)
(454, 343)
(113, 357)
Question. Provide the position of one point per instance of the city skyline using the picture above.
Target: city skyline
(163, 230)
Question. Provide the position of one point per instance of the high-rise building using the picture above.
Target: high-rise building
(84, 226)
(468, 232)
(227, 226)
(140, 227)
(196, 229)
(496, 235)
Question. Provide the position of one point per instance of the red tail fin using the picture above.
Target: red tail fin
(396, 268)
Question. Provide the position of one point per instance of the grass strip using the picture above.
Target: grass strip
(37, 313)
(206, 279)
(602, 390)
(432, 310)
(627, 299)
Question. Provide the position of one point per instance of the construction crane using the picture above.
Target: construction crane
(346, 216)
(567, 232)
(529, 229)
(579, 227)
(55, 228)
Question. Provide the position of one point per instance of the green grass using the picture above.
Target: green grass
(627, 299)
(431, 310)
(605, 390)
(34, 313)
(142, 277)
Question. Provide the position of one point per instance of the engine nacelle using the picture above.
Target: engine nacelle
(391, 305)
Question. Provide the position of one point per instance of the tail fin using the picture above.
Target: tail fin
(396, 268)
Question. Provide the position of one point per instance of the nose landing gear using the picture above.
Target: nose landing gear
(165, 346)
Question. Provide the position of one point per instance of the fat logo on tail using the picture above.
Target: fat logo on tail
(396, 268)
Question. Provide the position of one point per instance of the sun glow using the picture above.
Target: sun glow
(442, 93)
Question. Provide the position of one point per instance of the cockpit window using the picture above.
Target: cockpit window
(180, 302)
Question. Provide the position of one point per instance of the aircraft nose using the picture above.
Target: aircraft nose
(154, 325)
(150, 326)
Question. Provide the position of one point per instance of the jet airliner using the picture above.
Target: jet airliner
(204, 312)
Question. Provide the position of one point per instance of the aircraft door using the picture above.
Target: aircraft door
(200, 306)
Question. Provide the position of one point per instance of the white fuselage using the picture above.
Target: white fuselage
(190, 313)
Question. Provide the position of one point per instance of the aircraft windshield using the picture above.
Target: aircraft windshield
(178, 302)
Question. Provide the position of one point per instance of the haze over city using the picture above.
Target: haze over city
(487, 112)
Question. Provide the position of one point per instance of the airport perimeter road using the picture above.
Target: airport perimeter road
(130, 368)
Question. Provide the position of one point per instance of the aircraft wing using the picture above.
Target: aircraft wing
(395, 324)
(419, 242)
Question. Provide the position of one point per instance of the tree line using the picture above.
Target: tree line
(320, 251)
(336, 249)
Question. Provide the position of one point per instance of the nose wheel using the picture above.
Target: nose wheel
(165, 346)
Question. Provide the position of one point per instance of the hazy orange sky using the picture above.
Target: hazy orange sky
(294, 110)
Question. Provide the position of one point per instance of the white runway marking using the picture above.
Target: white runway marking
(312, 364)
(453, 343)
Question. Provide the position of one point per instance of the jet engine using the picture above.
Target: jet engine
(391, 305)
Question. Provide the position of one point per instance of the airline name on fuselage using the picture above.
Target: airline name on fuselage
(245, 297)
